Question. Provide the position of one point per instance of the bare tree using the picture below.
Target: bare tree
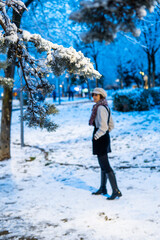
(150, 42)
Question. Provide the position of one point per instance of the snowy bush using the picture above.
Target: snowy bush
(136, 100)
(155, 93)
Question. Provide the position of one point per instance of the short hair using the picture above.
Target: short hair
(101, 97)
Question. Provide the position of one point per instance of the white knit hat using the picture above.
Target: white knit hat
(100, 91)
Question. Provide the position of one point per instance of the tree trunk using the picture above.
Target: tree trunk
(6, 124)
(96, 67)
(121, 82)
(88, 85)
(6, 112)
(153, 69)
(149, 69)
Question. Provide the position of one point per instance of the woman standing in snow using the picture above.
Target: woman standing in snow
(102, 121)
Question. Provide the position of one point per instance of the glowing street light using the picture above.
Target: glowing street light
(142, 73)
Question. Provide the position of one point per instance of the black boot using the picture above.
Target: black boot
(113, 182)
(102, 189)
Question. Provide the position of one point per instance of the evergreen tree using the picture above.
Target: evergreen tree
(104, 18)
(52, 57)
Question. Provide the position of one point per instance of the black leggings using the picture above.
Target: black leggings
(104, 163)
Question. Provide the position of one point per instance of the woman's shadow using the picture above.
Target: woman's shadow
(76, 183)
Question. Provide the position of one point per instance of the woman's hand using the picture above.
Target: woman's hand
(95, 137)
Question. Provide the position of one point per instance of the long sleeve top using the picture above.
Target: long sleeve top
(101, 122)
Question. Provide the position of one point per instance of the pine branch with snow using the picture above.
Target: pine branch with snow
(40, 116)
(6, 82)
(104, 18)
(54, 58)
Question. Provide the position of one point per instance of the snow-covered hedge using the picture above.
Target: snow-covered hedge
(155, 93)
(136, 99)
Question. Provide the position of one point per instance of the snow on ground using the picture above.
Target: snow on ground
(45, 188)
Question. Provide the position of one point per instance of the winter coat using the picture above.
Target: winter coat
(103, 125)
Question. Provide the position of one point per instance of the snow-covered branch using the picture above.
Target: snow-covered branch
(58, 57)
(133, 40)
(55, 58)
(105, 18)
(6, 82)
(17, 5)
(10, 28)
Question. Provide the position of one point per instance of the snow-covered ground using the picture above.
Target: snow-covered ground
(45, 188)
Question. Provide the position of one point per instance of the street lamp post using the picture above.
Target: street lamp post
(21, 109)
(59, 91)
(67, 79)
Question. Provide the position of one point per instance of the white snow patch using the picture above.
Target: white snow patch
(51, 198)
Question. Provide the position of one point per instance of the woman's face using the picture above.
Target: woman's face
(96, 97)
